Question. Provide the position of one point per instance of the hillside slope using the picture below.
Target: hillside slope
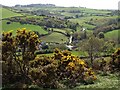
(6, 13)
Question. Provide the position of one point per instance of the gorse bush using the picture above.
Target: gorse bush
(43, 71)
(60, 70)
(17, 51)
(115, 63)
(21, 66)
(73, 70)
(108, 64)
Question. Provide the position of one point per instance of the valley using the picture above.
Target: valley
(53, 46)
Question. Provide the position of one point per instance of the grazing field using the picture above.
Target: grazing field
(62, 30)
(55, 37)
(6, 13)
(84, 21)
(15, 25)
(59, 30)
(113, 34)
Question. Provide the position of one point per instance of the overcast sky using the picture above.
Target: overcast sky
(96, 4)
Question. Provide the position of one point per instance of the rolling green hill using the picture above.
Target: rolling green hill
(15, 25)
(96, 20)
(6, 13)
(65, 11)
(88, 19)
(113, 34)
(55, 37)
(59, 30)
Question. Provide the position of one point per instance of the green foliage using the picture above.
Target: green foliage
(101, 35)
(60, 46)
(109, 47)
(48, 21)
(108, 24)
(80, 35)
(108, 64)
(92, 46)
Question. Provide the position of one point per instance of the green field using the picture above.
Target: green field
(82, 21)
(6, 13)
(113, 34)
(95, 19)
(15, 25)
(59, 30)
(64, 30)
(55, 37)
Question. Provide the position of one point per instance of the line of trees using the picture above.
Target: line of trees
(49, 22)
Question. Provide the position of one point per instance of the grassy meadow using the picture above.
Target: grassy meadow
(59, 30)
(55, 37)
(115, 34)
(6, 13)
(84, 21)
(15, 25)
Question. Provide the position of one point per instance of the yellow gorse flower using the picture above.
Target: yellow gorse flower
(94, 77)
(80, 62)
(71, 64)
(37, 58)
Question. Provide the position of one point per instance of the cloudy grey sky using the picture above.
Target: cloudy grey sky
(96, 4)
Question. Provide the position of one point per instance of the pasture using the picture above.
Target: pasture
(6, 13)
(15, 25)
(96, 20)
(59, 30)
(55, 37)
(115, 34)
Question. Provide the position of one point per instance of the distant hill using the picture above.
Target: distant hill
(36, 5)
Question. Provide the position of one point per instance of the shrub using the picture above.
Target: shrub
(16, 67)
(115, 63)
(62, 69)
